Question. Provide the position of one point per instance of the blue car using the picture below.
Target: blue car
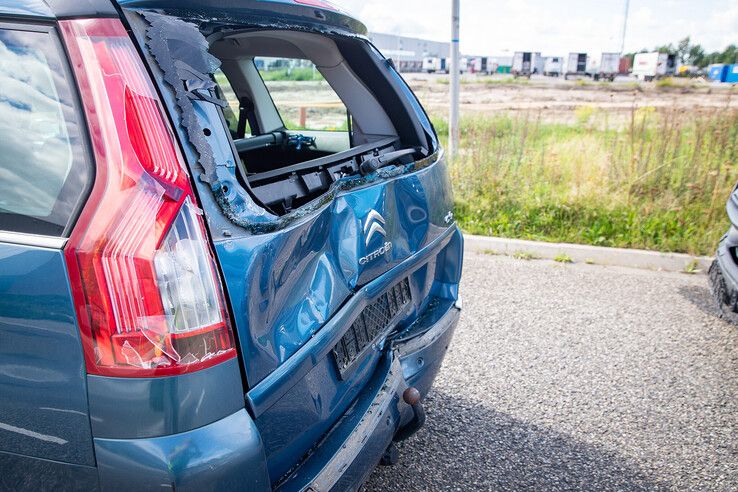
(228, 257)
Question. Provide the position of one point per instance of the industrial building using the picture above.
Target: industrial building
(408, 53)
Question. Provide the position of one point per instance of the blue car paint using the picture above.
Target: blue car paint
(192, 432)
(275, 12)
(347, 454)
(20, 472)
(43, 394)
(285, 286)
(307, 394)
(224, 455)
(126, 408)
(319, 258)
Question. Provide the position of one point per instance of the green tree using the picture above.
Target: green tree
(729, 55)
(667, 48)
(682, 50)
(696, 56)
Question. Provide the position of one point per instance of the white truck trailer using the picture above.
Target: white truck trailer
(482, 64)
(434, 64)
(654, 65)
(576, 65)
(526, 63)
(553, 66)
(606, 67)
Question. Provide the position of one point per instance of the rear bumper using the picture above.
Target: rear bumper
(348, 454)
(229, 455)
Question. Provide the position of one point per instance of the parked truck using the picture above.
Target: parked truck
(654, 65)
(483, 65)
(606, 67)
(526, 63)
(576, 65)
(553, 66)
(502, 63)
(434, 64)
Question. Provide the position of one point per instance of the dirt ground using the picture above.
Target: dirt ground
(549, 98)
(557, 99)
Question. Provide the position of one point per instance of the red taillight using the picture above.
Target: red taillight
(147, 293)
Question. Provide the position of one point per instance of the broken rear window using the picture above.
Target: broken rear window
(313, 119)
(307, 113)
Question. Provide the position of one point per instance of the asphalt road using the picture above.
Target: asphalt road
(567, 377)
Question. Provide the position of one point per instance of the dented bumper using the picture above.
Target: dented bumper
(351, 450)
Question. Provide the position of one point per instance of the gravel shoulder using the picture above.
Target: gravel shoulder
(566, 377)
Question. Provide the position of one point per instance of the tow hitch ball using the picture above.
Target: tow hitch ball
(411, 396)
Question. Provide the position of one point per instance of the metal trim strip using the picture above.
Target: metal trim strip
(24, 239)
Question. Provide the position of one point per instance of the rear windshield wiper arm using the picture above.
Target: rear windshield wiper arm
(373, 163)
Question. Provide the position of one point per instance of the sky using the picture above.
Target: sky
(490, 27)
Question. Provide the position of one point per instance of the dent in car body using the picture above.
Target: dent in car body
(297, 403)
(287, 278)
(284, 286)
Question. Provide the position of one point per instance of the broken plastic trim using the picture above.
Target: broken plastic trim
(182, 53)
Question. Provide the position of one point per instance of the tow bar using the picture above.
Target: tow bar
(411, 396)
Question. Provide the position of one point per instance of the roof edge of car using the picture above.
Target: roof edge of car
(318, 14)
(57, 9)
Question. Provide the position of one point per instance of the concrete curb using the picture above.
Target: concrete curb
(634, 258)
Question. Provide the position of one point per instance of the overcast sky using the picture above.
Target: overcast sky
(555, 27)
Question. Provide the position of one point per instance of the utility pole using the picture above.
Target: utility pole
(625, 27)
(453, 121)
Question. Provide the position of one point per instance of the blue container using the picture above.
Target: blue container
(717, 72)
(731, 74)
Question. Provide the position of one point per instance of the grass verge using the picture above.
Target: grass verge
(659, 182)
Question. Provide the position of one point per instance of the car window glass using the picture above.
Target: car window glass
(39, 136)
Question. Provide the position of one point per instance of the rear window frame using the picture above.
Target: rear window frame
(82, 162)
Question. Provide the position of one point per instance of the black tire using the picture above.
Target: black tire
(727, 300)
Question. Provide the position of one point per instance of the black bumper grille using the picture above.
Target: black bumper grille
(372, 322)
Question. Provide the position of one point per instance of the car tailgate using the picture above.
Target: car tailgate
(369, 254)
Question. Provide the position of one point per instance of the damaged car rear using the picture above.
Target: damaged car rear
(264, 268)
(333, 229)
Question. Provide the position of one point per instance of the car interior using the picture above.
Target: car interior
(294, 141)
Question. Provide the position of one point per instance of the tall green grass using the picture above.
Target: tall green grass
(658, 181)
(298, 74)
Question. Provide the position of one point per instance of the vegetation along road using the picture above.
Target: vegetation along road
(612, 164)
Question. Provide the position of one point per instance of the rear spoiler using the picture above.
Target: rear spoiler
(317, 15)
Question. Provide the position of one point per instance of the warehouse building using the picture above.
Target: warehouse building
(408, 53)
